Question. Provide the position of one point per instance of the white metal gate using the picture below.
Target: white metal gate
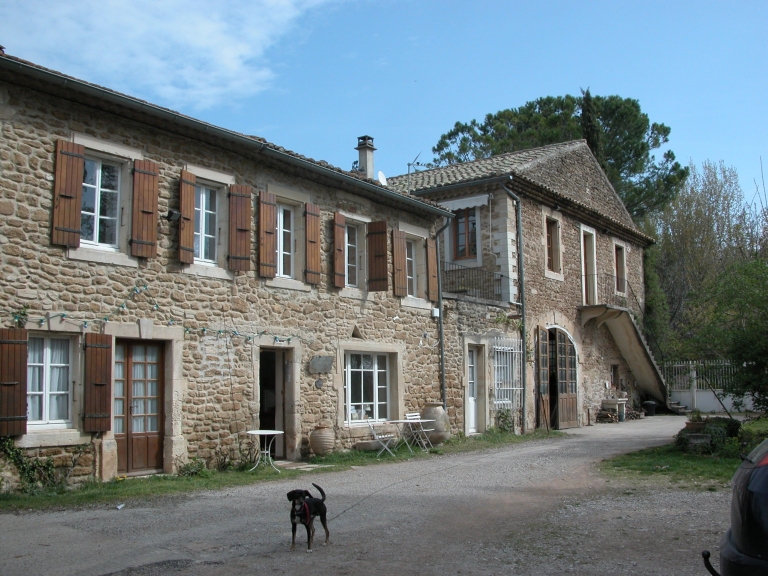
(508, 379)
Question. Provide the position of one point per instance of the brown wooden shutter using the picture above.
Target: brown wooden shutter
(339, 250)
(187, 221)
(312, 272)
(377, 257)
(68, 193)
(267, 235)
(240, 214)
(400, 275)
(98, 383)
(144, 219)
(13, 381)
(432, 264)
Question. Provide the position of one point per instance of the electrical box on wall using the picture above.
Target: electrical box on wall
(435, 312)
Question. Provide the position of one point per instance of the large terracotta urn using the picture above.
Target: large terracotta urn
(441, 427)
(321, 440)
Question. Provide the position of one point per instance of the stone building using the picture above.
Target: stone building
(168, 284)
(581, 276)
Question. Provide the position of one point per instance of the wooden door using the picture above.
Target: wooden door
(542, 371)
(138, 402)
(567, 403)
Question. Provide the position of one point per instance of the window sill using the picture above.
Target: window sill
(208, 271)
(468, 263)
(413, 302)
(355, 294)
(554, 275)
(288, 284)
(102, 257)
(47, 437)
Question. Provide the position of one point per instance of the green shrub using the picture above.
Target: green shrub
(732, 426)
(194, 467)
(717, 436)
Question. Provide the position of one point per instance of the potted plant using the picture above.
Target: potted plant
(696, 421)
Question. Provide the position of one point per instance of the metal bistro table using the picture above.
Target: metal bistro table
(265, 456)
(415, 433)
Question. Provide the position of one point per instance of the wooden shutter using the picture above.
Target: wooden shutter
(240, 212)
(13, 381)
(312, 272)
(187, 220)
(68, 193)
(97, 416)
(267, 235)
(339, 250)
(377, 257)
(400, 275)
(144, 219)
(432, 287)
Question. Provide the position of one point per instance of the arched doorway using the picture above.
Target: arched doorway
(556, 379)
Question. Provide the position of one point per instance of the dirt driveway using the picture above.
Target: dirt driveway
(539, 508)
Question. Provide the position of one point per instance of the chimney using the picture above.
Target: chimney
(365, 148)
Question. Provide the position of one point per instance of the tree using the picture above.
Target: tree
(590, 127)
(626, 137)
(707, 226)
(736, 327)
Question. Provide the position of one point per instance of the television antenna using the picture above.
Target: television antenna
(415, 165)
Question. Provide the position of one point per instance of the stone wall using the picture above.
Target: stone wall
(225, 321)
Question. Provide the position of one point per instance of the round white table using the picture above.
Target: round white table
(265, 456)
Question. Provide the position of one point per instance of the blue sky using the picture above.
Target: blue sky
(313, 75)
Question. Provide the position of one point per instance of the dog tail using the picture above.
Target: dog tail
(321, 492)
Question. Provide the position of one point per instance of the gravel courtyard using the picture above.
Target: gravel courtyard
(540, 508)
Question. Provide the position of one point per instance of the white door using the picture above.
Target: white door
(471, 390)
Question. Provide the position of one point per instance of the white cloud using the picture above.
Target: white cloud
(183, 54)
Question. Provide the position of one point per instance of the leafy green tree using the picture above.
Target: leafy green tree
(627, 138)
(736, 326)
(590, 127)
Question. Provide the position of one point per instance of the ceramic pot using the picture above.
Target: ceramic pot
(441, 425)
(695, 426)
(321, 440)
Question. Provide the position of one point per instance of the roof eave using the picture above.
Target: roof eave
(135, 104)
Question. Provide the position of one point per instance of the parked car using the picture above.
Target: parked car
(744, 547)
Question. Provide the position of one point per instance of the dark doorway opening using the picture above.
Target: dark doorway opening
(271, 394)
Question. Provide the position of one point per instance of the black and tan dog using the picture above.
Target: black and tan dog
(304, 509)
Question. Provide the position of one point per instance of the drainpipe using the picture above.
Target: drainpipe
(521, 276)
(441, 333)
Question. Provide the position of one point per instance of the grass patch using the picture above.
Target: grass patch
(137, 490)
(669, 463)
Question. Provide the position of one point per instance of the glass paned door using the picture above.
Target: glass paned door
(138, 406)
(472, 390)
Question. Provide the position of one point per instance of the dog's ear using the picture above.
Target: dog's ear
(307, 494)
(290, 495)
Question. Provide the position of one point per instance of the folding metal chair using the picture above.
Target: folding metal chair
(384, 440)
(417, 431)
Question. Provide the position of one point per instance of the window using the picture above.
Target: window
(100, 202)
(410, 267)
(589, 266)
(49, 396)
(621, 270)
(366, 387)
(553, 245)
(205, 224)
(465, 234)
(285, 233)
(352, 243)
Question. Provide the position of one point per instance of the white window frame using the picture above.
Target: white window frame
(46, 422)
(589, 271)
(411, 268)
(367, 410)
(282, 249)
(202, 231)
(359, 280)
(359, 291)
(620, 268)
(96, 215)
(416, 236)
(548, 215)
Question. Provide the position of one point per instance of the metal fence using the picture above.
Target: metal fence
(508, 378)
(475, 282)
(698, 375)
